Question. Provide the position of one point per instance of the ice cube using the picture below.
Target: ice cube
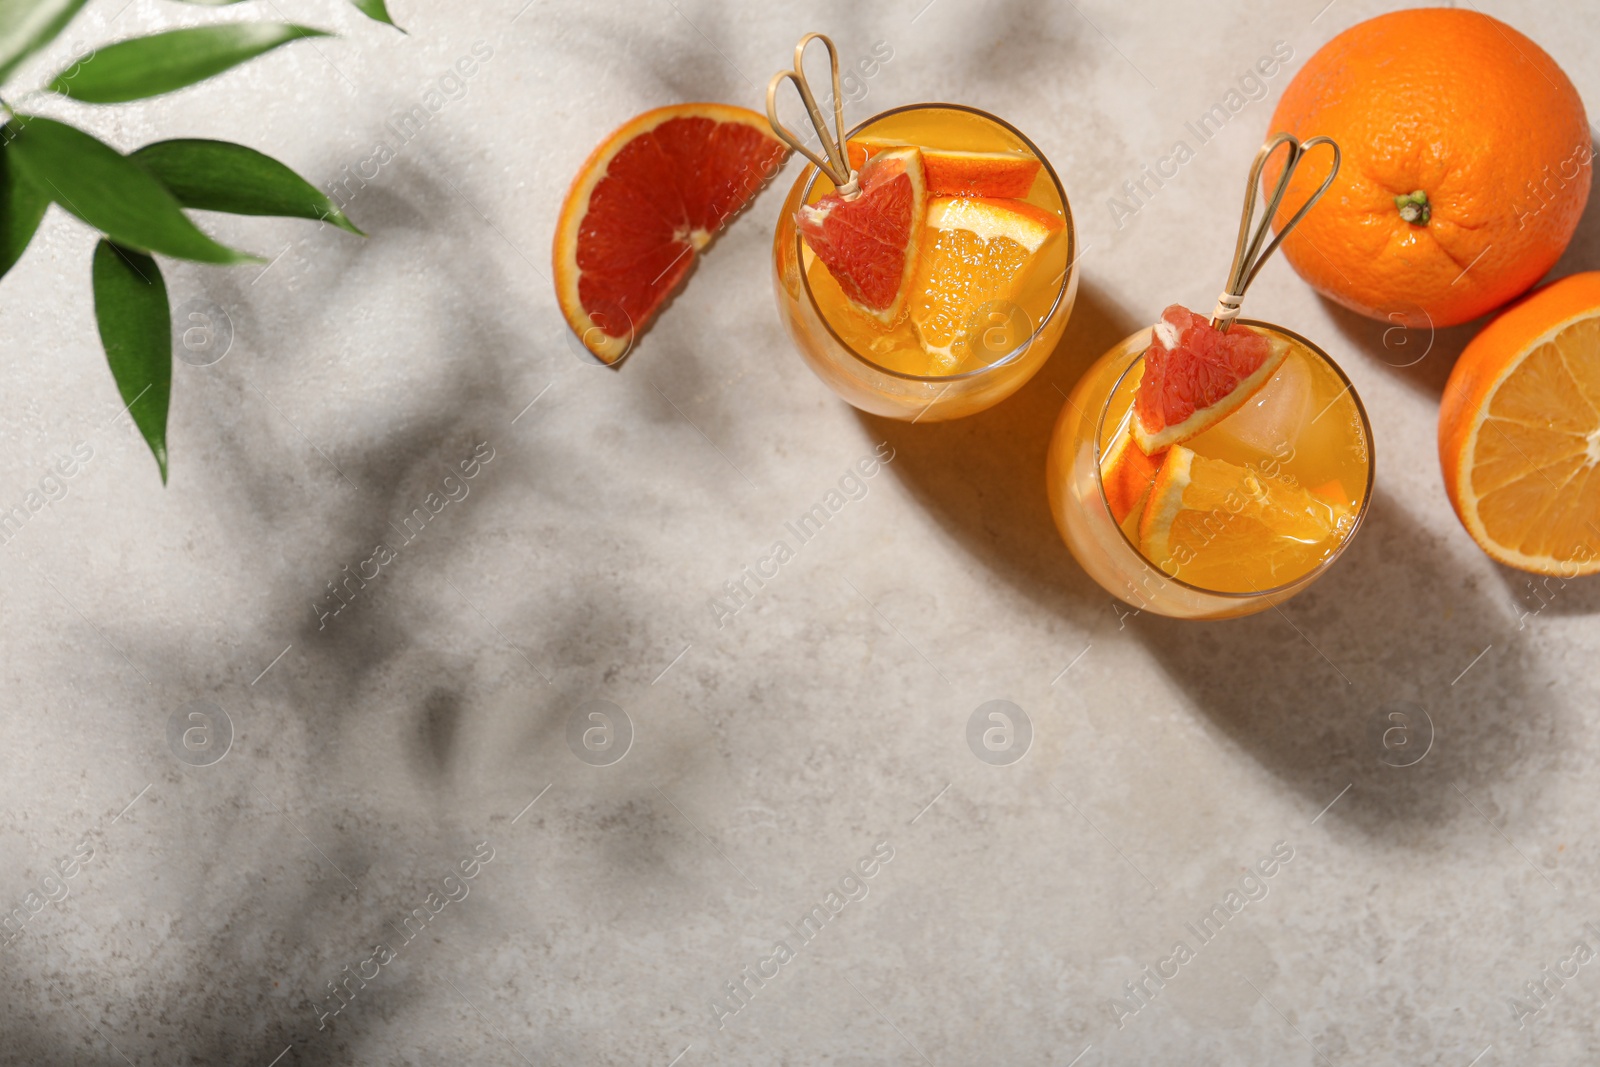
(1268, 422)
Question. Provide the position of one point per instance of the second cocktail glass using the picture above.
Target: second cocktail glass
(1305, 429)
(1209, 469)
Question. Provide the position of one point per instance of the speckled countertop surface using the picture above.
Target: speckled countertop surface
(816, 736)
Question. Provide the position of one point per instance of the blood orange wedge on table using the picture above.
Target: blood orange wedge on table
(1221, 526)
(957, 173)
(979, 251)
(1196, 375)
(1519, 432)
(644, 204)
(870, 242)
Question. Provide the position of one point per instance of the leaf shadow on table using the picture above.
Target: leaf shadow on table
(1270, 683)
(375, 481)
(388, 648)
(296, 521)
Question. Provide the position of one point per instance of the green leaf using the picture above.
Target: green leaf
(109, 191)
(376, 11)
(221, 176)
(28, 25)
(22, 205)
(162, 62)
(130, 305)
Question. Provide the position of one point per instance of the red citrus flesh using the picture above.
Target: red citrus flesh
(1195, 375)
(646, 201)
(870, 244)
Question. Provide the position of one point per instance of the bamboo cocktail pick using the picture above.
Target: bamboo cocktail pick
(1248, 257)
(837, 164)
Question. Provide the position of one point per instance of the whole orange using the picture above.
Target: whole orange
(1465, 166)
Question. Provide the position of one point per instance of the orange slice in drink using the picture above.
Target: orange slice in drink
(644, 204)
(870, 243)
(956, 173)
(1196, 375)
(1225, 527)
(976, 253)
(1519, 432)
(1126, 474)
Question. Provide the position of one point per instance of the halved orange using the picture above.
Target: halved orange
(869, 242)
(1225, 527)
(1519, 431)
(1126, 473)
(644, 203)
(1196, 375)
(957, 173)
(976, 252)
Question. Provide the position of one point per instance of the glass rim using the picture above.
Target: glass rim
(1366, 496)
(809, 179)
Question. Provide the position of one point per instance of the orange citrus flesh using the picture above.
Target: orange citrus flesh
(644, 204)
(975, 256)
(1519, 432)
(951, 172)
(1221, 526)
(1127, 473)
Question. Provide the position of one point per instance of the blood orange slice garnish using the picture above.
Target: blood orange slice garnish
(1126, 473)
(1221, 526)
(956, 173)
(1195, 375)
(978, 251)
(646, 201)
(870, 243)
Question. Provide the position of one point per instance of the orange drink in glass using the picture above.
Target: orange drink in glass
(966, 340)
(1208, 467)
(1275, 490)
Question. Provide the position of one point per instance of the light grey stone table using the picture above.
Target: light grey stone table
(818, 735)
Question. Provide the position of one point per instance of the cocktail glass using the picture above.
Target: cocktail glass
(1306, 427)
(1250, 500)
(887, 372)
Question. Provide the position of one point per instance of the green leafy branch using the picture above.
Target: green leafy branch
(137, 201)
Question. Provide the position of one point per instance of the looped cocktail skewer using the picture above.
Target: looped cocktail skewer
(1248, 255)
(837, 164)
